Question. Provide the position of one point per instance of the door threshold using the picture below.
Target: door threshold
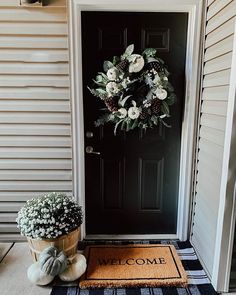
(132, 237)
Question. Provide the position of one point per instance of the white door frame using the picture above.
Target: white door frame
(194, 10)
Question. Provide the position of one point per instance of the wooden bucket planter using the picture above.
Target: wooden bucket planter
(67, 243)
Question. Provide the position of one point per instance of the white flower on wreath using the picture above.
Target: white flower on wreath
(133, 112)
(122, 113)
(112, 88)
(137, 63)
(112, 74)
(161, 93)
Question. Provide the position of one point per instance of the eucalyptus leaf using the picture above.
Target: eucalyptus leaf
(104, 76)
(107, 65)
(122, 102)
(171, 99)
(152, 59)
(166, 72)
(160, 61)
(93, 91)
(170, 87)
(149, 95)
(116, 59)
(101, 91)
(102, 120)
(149, 52)
(117, 124)
(154, 119)
(165, 124)
(99, 78)
(128, 124)
(129, 50)
(98, 83)
(165, 108)
(131, 58)
(135, 124)
(123, 125)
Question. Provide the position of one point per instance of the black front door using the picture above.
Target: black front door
(132, 186)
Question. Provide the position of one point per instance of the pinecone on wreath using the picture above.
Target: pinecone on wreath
(144, 114)
(122, 65)
(154, 65)
(111, 105)
(156, 106)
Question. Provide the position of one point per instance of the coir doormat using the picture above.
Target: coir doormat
(133, 266)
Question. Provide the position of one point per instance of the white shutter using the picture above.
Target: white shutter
(214, 117)
(35, 111)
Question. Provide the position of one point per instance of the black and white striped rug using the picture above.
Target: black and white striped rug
(198, 282)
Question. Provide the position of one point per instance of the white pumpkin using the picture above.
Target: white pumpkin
(75, 269)
(37, 277)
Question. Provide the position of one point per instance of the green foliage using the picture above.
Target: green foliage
(107, 65)
(165, 108)
(128, 51)
(122, 100)
(116, 59)
(149, 52)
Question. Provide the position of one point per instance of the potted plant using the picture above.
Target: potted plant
(51, 220)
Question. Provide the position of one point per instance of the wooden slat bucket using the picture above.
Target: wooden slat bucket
(67, 243)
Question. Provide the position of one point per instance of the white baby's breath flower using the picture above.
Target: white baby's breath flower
(122, 113)
(147, 104)
(161, 93)
(133, 112)
(136, 64)
(125, 82)
(36, 215)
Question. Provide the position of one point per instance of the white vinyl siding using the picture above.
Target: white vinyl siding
(214, 104)
(35, 111)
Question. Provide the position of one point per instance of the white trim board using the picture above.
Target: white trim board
(194, 9)
(131, 237)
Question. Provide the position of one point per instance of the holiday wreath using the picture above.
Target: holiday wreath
(135, 89)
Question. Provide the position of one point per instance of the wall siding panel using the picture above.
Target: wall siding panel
(20, 14)
(221, 17)
(34, 55)
(219, 49)
(35, 111)
(218, 5)
(34, 42)
(219, 36)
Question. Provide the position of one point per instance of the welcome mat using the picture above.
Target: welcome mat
(132, 266)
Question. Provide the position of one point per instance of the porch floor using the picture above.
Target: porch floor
(14, 260)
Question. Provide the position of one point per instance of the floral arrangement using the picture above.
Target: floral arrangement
(135, 90)
(49, 216)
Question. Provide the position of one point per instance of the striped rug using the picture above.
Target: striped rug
(198, 282)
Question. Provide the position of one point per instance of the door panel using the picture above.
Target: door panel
(132, 186)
